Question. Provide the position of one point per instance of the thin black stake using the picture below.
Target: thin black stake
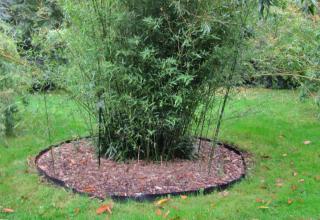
(100, 131)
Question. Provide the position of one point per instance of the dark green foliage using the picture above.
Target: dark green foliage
(8, 83)
(32, 24)
(286, 50)
(147, 65)
(28, 17)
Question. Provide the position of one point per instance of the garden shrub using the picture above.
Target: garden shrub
(141, 68)
(286, 47)
(8, 79)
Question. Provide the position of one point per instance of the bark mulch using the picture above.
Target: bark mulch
(76, 164)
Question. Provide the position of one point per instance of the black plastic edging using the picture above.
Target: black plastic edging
(141, 197)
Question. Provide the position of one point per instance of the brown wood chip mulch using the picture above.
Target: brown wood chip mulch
(75, 164)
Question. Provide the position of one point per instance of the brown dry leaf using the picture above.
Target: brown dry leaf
(317, 178)
(184, 197)
(76, 211)
(89, 189)
(279, 184)
(294, 173)
(166, 214)
(307, 142)
(263, 207)
(7, 210)
(294, 187)
(259, 200)
(301, 180)
(158, 212)
(105, 208)
(162, 201)
(290, 201)
(224, 193)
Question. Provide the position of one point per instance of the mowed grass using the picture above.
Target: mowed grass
(283, 181)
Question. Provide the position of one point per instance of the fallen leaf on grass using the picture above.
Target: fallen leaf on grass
(162, 201)
(307, 142)
(294, 187)
(263, 207)
(301, 180)
(290, 201)
(294, 174)
(166, 214)
(158, 212)
(259, 200)
(279, 182)
(284, 155)
(317, 178)
(184, 197)
(7, 210)
(105, 208)
(76, 211)
(224, 193)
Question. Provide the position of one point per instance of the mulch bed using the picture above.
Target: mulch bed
(76, 167)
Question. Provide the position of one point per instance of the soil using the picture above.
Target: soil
(76, 164)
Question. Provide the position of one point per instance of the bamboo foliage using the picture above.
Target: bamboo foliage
(144, 67)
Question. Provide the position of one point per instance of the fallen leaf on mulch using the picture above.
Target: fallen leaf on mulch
(162, 201)
(7, 210)
(184, 197)
(158, 212)
(105, 208)
(290, 201)
(294, 187)
(307, 142)
(89, 189)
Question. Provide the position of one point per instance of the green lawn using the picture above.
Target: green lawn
(274, 132)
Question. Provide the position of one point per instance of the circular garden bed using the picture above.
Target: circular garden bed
(75, 166)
